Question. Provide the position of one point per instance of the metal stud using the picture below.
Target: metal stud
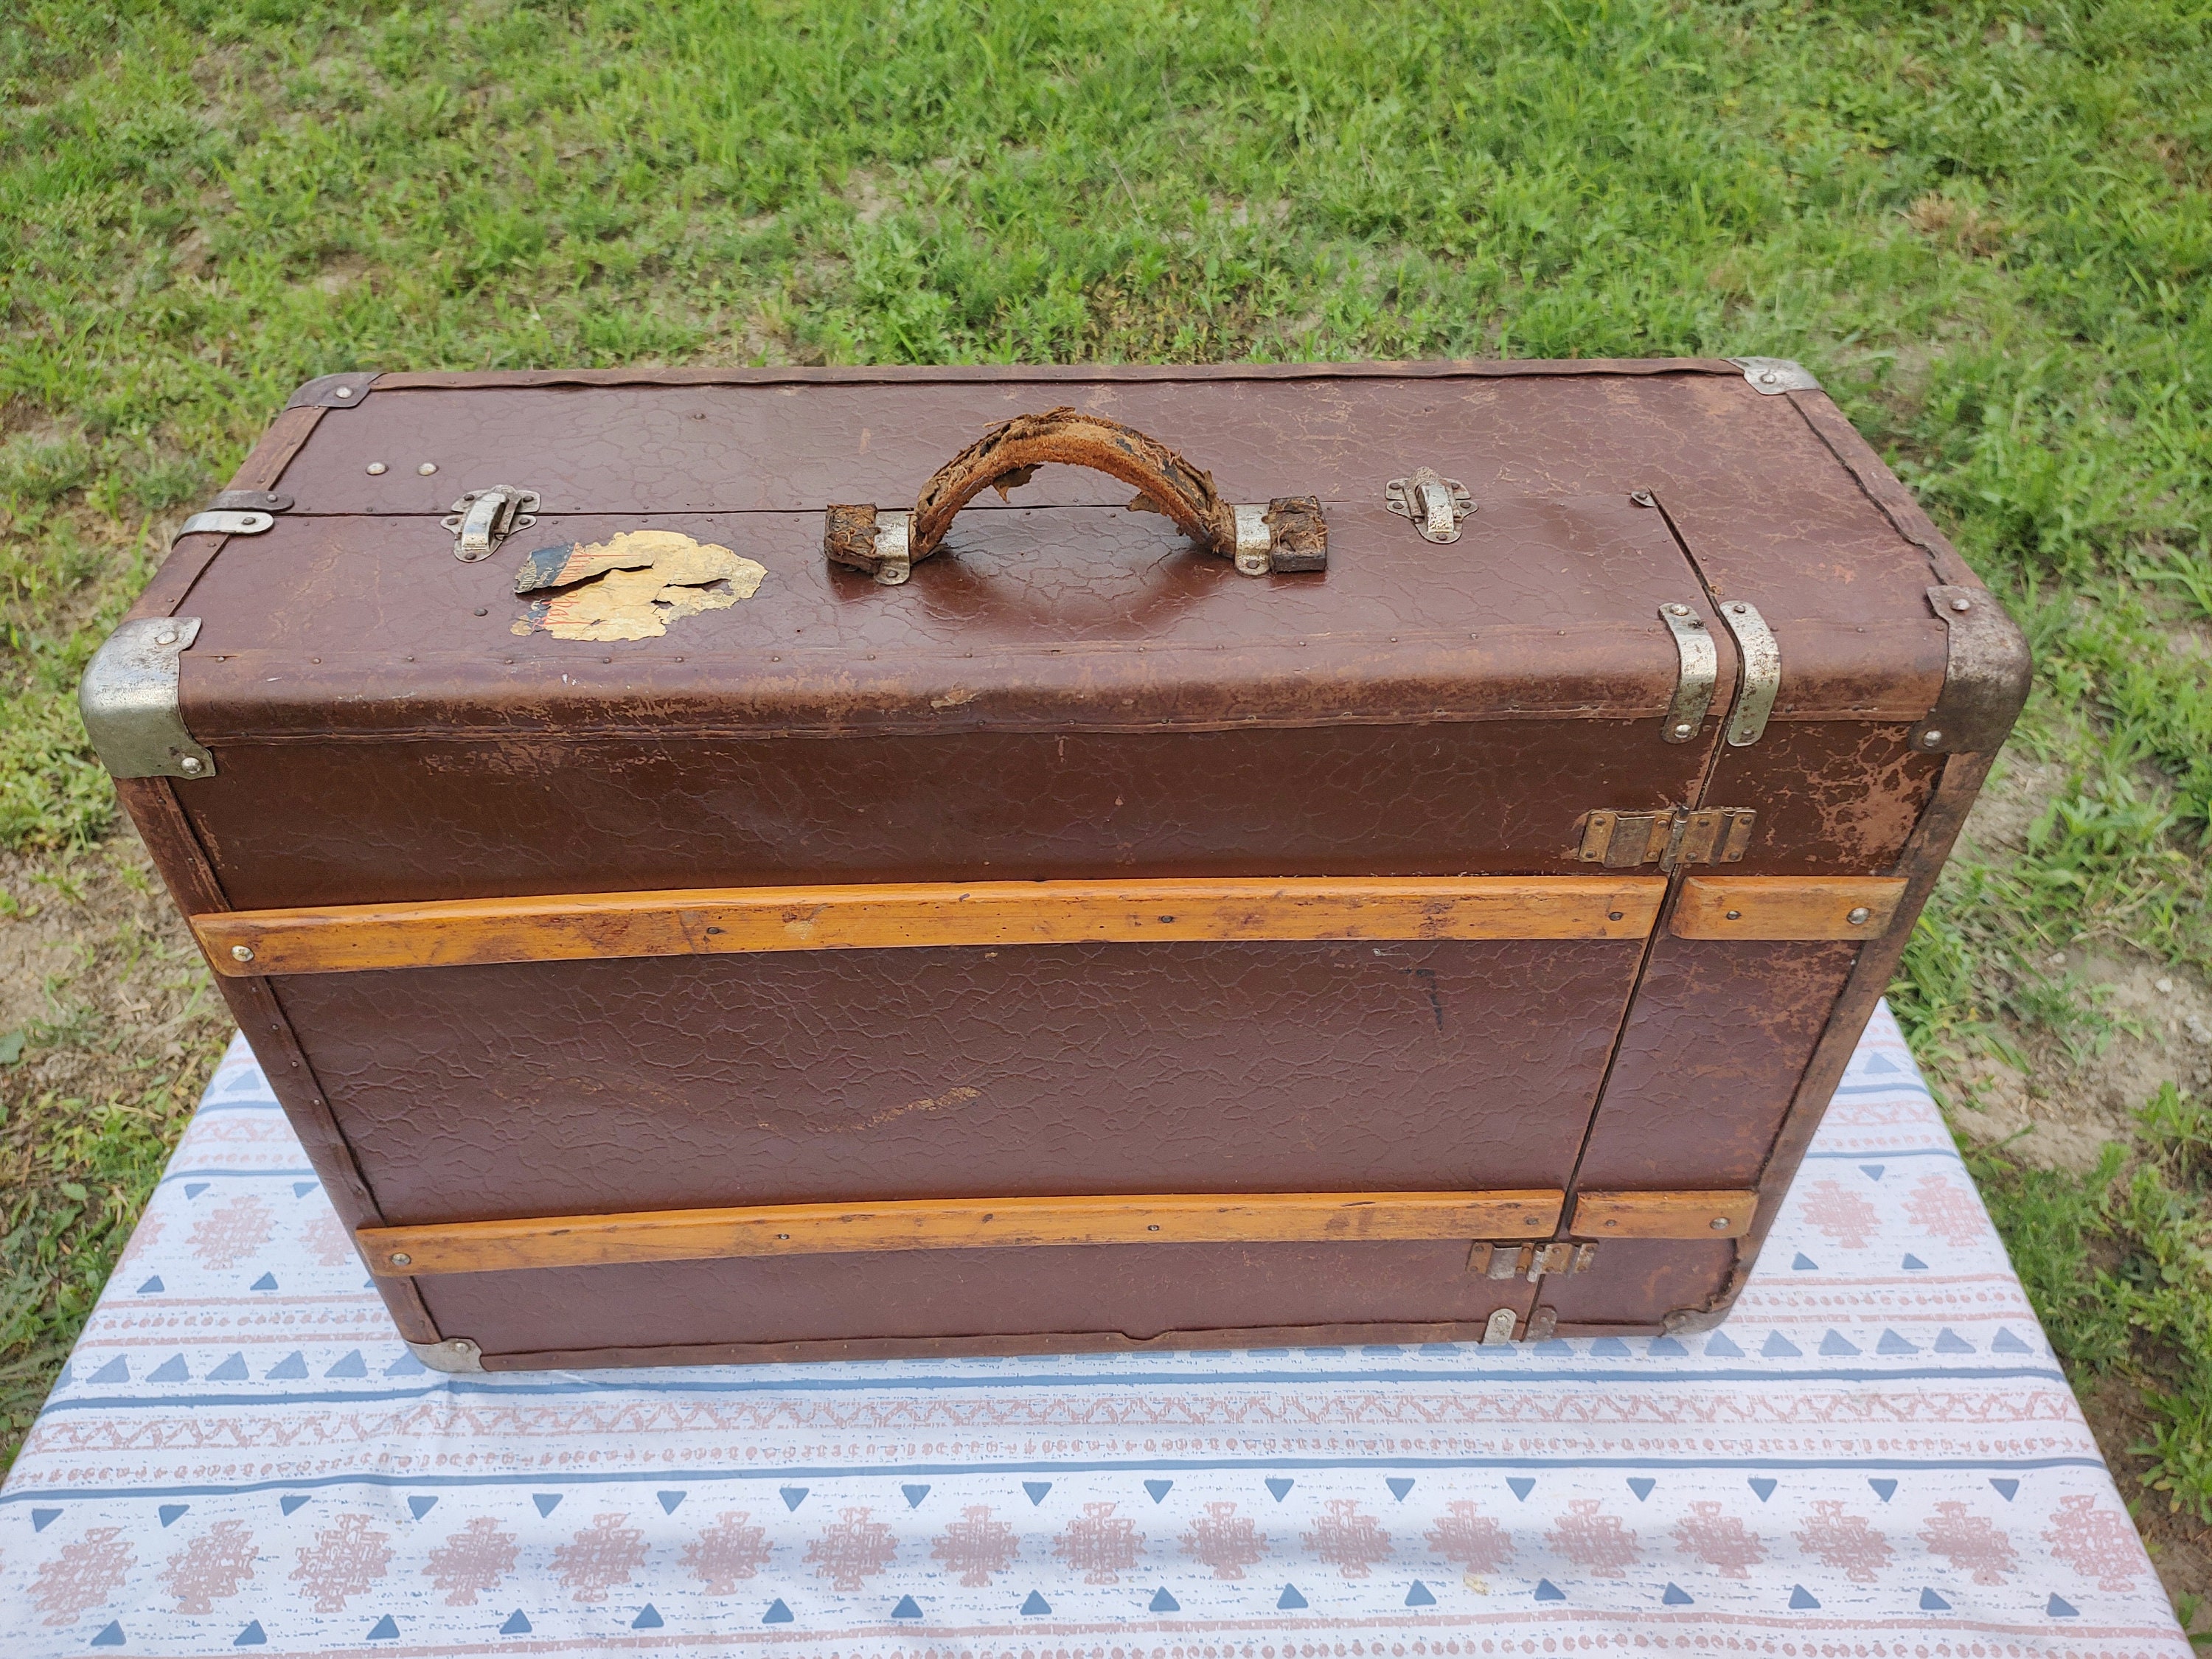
(1962, 604)
(1929, 740)
(427, 468)
(167, 636)
(377, 468)
(342, 392)
(242, 952)
(1720, 1224)
(1735, 916)
(401, 1259)
(1858, 916)
(189, 765)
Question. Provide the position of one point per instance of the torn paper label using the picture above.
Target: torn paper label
(632, 585)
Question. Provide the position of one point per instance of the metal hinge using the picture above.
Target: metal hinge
(1530, 1262)
(1710, 834)
(1436, 505)
(129, 701)
(482, 519)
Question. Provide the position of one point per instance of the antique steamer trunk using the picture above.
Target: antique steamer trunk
(1365, 852)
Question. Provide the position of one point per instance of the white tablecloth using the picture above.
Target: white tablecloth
(1877, 1457)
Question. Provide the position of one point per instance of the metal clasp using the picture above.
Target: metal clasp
(894, 548)
(225, 524)
(1436, 505)
(482, 519)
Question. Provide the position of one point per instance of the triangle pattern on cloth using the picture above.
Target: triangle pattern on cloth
(352, 1365)
(1893, 1343)
(1666, 1348)
(1676, 1596)
(669, 1500)
(251, 1637)
(1611, 1347)
(194, 1188)
(2059, 1607)
(1290, 1600)
(152, 1286)
(648, 1619)
(1931, 1602)
(169, 1512)
(231, 1370)
(1036, 1490)
(1883, 1489)
(418, 1507)
(1778, 1346)
(2006, 1342)
(1163, 1602)
(42, 1519)
(2006, 1489)
(1159, 1489)
(1872, 1171)
(1802, 1263)
(1548, 1591)
(111, 1635)
(1399, 1484)
(1801, 1599)
(1837, 1346)
(518, 1624)
(386, 1629)
(1641, 1484)
(547, 1502)
(906, 1608)
(407, 1364)
(266, 1282)
(301, 1188)
(915, 1494)
(777, 1614)
(1521, 1485)
(1280, 1485)
(792, 1496)
(289, 1368)
(1913, 1264)
(293, 1500)
(1949, 1341)
(1883, 1064)
(1035, 1605)
(1420, 1596)
(117, 1370)
(1764, 1486)
(1719, 1347)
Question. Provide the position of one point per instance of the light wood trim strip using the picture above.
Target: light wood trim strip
(706, 921)
(789, 1230)
(1663, 1215)
(1786, 907)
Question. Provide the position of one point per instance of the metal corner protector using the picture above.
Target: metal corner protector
(1986, 673)
(1772, 376)
(128, 700)
(456, 1356)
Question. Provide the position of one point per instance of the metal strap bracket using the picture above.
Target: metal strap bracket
(1694, 683)
(1762, 672)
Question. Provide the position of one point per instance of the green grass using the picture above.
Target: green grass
(1986, 226)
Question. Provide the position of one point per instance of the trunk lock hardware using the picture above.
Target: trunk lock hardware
(482, 519)
(1436, 505)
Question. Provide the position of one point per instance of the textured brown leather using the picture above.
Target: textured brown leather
(1069, 690)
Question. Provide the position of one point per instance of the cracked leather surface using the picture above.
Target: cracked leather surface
(565, 1088)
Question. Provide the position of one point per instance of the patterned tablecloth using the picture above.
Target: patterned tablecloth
(1875, 1458)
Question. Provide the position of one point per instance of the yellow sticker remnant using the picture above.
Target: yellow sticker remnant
(632, 585)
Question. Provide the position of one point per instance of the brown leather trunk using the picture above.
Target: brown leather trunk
(1065, 691)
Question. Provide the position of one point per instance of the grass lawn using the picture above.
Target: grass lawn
(1986, 228)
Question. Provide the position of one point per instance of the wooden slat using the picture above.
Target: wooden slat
(706, 921)
(1663, 1215)
(1786, 907)
(786, 1230)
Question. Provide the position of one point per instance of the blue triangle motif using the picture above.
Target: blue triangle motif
(1719, 1347)
(194, 1188)
(777, 1614)
(915, 1494)
(648, 1619)
(1641, 1484)
(1676, 1596)
(2005, 1489)
(267, 1282)
(169, 1512)
(1611, 1347)
(352, 1365)
(1913, 1264)
(1764, 1486)
(419, 1507)
(669, 1500)
(1949, 1341)
(1893, 1343)
(1399, 1484)
(1036, 1490)
(1873, 1171)
(906, 1608)
(547, 1502)
(112, 1636)
(1290, 1599)
(1548, 1591)
(292, 1500)
(1521, 1485)
(518, 1624)
(386, 1629)
(117, 1370)
(301, 1188)
(1420, 1596)
(1837, 1346)
(1885, 1490)
(406, 1365)
(792, 1496)
(289, 1368)
(251, 1637)
(152, 1286)
(231, 1370)
(1382, 1350)
(2006, 1342)
(1280, 1485)
(1159, 1489)
(1036, 1604)
(172, 1370)
(42, 1519)
(1801, 1263)
(1882, 1063)
(2059, 1607)
(1163, 1602)
(1666, 1348)
(1931, 1602)
(1778, 1346)
(1801, 1599)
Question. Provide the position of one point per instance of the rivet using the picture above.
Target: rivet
(342, 392)
(1153, 1228)
(1735, 916)
(1684, 730)
(1929, 740)
(1612, 915)
(167, 636)
(480, 611)
(786, 1237)
(1738, 609)
(1858, 916)
(1720, 1224)
(242, 952)
(1962, 604)
(401, 1259)
(427, 468)
(190, 766)
(1610, 1222)
(377, 468)
(1768, 377)
(1678, 609)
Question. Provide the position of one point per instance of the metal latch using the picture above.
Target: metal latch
(224, 524)
(894, 548)
(130, 702)
(1529, 1262)
(482, 519)
(1710, 834)
(1436, 505)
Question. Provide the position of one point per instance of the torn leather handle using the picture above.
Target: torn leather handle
(1287, 534)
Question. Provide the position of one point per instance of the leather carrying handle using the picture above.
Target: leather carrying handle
(1288, 534)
